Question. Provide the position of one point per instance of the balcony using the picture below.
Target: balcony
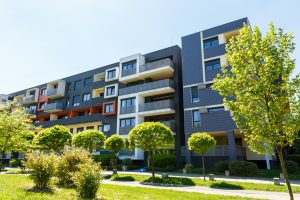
(53, 107)
(171, 125)
(157, 108)
(126, 152)
(30, 111)
(222, 150)
(125, 130)
(56, 89)
(149, 89)
(127, 110)
(128, 72)
(158, 68)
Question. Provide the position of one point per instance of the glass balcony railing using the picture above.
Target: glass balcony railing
(53, 106)
(156, 65)
(125, 130)
(127, 110)
(157, 105)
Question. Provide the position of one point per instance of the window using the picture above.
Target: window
(195, 94)
(127, 122)
(212, 64)
(71, 130)
(86, 97)
(80, 129)
(88, 81)
(129, 65)
(211, 42)
(109, 108)
(43, 92)
(76, 100)
(42, 105)
(106, 127)
(196, 118)
(216, 109)
(89, 128)
(68, 101)
(128, 102)
(77, 85)
(110, 91)
(100, 128)
(68, 87)
(111, 74)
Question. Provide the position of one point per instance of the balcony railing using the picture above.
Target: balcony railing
(171, 125)
(125, 130)
(156, 64)
(28, 98)
(53, 106)
(50, 92)
(126, 152)
(222, 150)
(127, 110)
(30, 111)
(157, 105)
(128, 72)
(146, 87)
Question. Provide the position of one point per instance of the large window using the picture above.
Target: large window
(100, 128)
(129, 65)
(212, 64)
(216, 109)
(86, 97)
(109, 108)
(88, 81)
(196, 118)
(77, 85)
(80, 129)
(195, 94)
(111, 74)
(128, 102)
(76, 100)
(110, 91)
(211, 42)
(127, 122)
(106, 127)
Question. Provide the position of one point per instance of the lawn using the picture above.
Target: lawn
(212, 184)
(14, 187)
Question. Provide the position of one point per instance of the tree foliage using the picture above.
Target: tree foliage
(89, 139)
(53, 139)
(259, 89)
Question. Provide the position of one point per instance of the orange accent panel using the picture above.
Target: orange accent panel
(114, 105)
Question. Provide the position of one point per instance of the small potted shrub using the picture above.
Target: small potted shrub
(126, 162)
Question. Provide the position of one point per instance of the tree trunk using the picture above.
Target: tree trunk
(285, 173)
(115, 172)
(152, 166)
(203, 167)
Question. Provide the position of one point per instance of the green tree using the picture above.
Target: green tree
(260, 91)
(16, 129)
(53, 139)
(90, 140)
(200, 143)
(150, 137)
(115, 144)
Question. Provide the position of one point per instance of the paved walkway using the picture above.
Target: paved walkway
(207, 190)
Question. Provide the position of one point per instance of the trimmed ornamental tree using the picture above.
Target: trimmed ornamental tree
(259, 89)
(201, 143)
(53, 139)
(150, 137)
(90, 140)
(114, 144)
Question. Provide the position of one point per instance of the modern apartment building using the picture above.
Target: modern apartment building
(171, 85)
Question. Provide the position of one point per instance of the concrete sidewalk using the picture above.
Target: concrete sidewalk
(208, 190)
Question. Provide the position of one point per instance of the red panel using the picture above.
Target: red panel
(111, 113)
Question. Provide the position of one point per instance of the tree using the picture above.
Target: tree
(115, 144)
(150, 136)
(16, 129)
(89, 139)
(53, 139)
(259, 90)
(200, 143)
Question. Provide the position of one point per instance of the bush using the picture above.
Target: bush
(15, 162)
(104, 159)
(42, 168)
(69, 163)
(163, 160)
(87, 180)
(291, 166)
(189, 167)
(127, 161)
(169, 168)
(221, 166)
(295, 158)
(1, 166)
(242, 168)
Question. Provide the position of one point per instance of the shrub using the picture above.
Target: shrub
(69, 163)
(42, 168)
(104, 159)
(1, 166)
(295, 158)
(242, 168)
(89, 140)
(127, 161)
(87, 180)
(15, 162)
(163, 160)
(291, 166)
(189, 167)
(221, 166)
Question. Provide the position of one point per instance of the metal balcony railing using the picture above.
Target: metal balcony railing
(53, 106)
(156, 64)
(125, 130)
(146, 87)
(171, 125)
(50, 92)
(156, 105)
(128, 72)
(127, 110)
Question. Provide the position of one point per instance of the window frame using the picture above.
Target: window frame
(214, 64)
(210, 42)
(196, 124)
(195, 99)
(75, 104)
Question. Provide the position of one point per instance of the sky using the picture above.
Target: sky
(41, 41)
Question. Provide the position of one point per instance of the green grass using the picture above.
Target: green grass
(15, 187)
(199, 182)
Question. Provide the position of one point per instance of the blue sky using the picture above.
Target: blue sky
(42, 41)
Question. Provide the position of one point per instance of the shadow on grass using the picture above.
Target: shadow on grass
(35, 190)
(122, 178)
(224, 185)
(170, 181)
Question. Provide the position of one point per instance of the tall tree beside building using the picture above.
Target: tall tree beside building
(259, 89)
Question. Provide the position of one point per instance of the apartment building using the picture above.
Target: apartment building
(203, 53)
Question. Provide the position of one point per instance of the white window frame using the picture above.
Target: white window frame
(116, 90)
(112, 79)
